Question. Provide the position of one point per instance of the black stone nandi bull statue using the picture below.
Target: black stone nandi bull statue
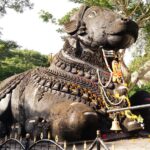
(70, 97)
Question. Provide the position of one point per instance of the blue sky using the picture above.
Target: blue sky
(29, 31)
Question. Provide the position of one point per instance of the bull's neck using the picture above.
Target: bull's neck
(79, 52)
(80, 61)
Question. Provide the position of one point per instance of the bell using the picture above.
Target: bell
(87, 75)
(56, 86)
(94, 78)
(81, 73)
(75, 91)
(85, 96)
(48, 84)
(74, 70)
(65, 89)
(42, 82)
(115, 125)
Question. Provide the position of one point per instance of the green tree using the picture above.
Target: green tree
(66, 18)
(13, 60)
(5, 47)
(136, 9)
(103, 3)
(17, 5)
(136, 89)
(47, 16)
(140, 60)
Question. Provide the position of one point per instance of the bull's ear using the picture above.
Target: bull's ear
(73, 25)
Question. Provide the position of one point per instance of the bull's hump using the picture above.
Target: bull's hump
(61, 83)
(9, 84)
(48, 77)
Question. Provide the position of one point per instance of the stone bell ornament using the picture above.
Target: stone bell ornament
(115, 125)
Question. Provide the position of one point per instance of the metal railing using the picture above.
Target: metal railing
(47, 144)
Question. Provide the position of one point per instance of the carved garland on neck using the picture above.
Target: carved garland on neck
(67, 61)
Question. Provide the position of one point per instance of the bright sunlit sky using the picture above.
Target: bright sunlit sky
(30, 32)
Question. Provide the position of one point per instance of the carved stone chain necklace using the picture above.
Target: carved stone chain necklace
(73, 76)
(99, 71)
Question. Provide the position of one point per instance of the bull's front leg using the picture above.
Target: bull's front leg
(74, 121)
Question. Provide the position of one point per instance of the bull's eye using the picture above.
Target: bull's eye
(92, 14)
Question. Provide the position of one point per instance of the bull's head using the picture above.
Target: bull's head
(97, 27)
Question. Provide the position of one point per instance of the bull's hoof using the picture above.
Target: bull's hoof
(81, 122)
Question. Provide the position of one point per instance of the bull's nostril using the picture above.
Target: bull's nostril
(125, 20)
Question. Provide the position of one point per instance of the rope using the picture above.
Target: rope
(113, 74)
(103, 92)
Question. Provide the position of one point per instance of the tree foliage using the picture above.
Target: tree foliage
(17, 5)
(47, 16)
(140, 60)
(102, 3)
(5, 47)
(135, 9)
(66, 18)
(14, 60)
(136, 89)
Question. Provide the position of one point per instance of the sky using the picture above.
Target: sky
(30, 32)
